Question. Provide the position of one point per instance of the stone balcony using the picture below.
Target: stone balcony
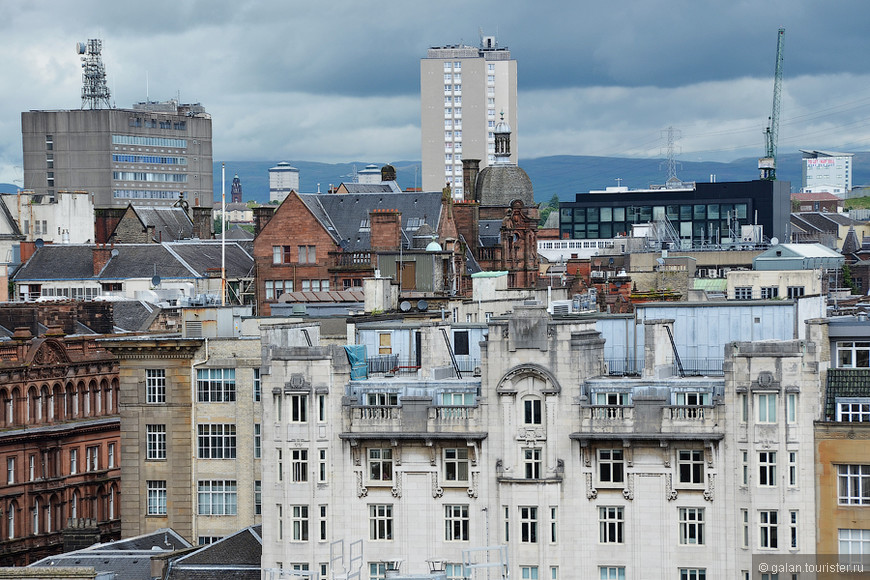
(652, 419)
(415, 418)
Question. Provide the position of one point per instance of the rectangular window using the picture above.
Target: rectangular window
(299, 518)
(280, 513)
(690, 464)
(381, 464)
(280, 465)
(216, 441)
(323, 467)
(298, 408)
(460, 342)
(456, 464)
(795, 292)
(766, 407)
(529, 572)
(767, 468)
(321, 408)
(745, 466)
(456, 523)
(323, 523)
(853, 355)
(507, 523)
(532, 411)
(791, 407)
(156, 497)
(528, 524)
(258, 497)
(744, 516)
(553, 528)
(381, 522)
(853, 410)
(111, 454)
(155, 436)
(693, 574)
(73, 463)
(382, 399)
(299, 465)
(258, 441)
(793, 528)
(769, 292)
(92, 458)
(853, 484)
(743, 293)
(532, 463)
(611, 572)
(155, 386)
(854, 542)
(744, 408)
(792, 468)
(611, 466)
(10, 470)
(692, 526)
(377, 570)
(216, 385)
(768, 536)
(257, 386)
(611, 525)
(307, 254)
(217, 498)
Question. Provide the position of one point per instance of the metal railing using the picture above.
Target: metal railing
(701, 367)
(391, 364)
(624, 367)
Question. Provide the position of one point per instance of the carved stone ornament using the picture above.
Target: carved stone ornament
(591, 492)
(670, 492)
(361, 490)
(396, 490)
(708, 493)
(628, 492)
(437, 490)
(475, 482)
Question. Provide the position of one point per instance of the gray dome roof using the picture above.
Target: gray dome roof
(499, 185)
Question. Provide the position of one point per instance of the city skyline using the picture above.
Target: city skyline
(342, 83)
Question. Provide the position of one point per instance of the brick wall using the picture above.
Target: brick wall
(386, 229)
(292, 225)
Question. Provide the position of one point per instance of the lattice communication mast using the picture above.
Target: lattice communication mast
(767, 164)
(95, 92)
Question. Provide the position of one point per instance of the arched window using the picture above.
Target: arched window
(46, 400)
(110, 400)
(35, 516)
(32, 404)
(57, 402)
(10, 520)
(48, 518)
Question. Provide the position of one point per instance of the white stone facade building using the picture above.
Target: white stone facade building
(577, 474)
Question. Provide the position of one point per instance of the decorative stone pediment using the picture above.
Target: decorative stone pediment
(49, 352)
(507, 384)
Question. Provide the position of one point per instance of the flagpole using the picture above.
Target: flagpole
(223, 235)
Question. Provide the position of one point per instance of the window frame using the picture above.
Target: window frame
(690, 468)
(216, 441)
(155, 386)
(613, 465)
(216, 385)
(217, 497)
(852, 480)
(155, 442)
(767, 469)
(456, 523)
(380, 522)
(380, 465)
(768, 529)
(691, 526)
(528, 524)
(611, 524)
(456, 465)
(156, 497)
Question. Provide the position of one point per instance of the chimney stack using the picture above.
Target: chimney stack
(101, 255)
(386, 230)
(470, 170)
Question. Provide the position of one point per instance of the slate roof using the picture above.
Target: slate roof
(133, 315)
(170, 223)
(342, 214)
(383, 187)
(238, 233)
(489, 232)
(328, 296)
(825, 222)
(845, 383)
(235, 557)
(129, 559)
(169, 260)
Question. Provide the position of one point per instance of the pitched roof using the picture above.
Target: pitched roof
(129, 558)
(235, 556)
(344, 215)
(815, 197)
(383, 187)
(168, 260)
(845, 383)
(169, 223)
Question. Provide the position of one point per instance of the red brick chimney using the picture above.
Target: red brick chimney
(101, 255)
(386, 231)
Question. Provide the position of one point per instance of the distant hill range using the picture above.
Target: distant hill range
(562, 175)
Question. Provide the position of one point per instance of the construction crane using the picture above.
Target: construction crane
(767, 164)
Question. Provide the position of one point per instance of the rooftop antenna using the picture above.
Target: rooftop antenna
(95, 92)
(672, 136)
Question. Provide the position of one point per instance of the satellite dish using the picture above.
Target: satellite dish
(422, 305)
(155, 281)
(774, 241)
(405, 306)
(114, 253)
(39, 243)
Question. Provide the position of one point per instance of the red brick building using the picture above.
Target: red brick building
(59, 443)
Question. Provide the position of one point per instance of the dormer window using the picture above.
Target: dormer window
(853, 410)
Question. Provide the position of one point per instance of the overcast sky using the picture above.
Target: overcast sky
(339, 81)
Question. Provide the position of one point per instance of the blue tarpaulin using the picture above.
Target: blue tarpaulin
(356, 356)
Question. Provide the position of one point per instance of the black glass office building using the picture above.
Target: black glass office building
(703, 214)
